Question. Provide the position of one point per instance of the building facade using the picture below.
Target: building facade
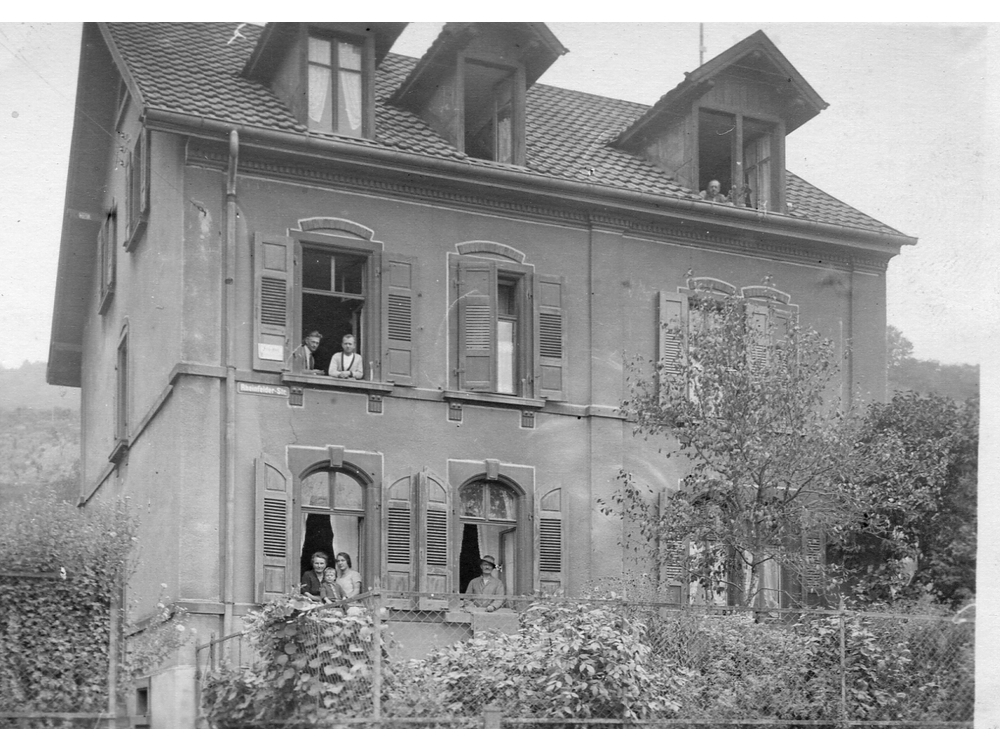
(497, 248)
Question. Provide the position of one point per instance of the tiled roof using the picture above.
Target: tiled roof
(194, 68)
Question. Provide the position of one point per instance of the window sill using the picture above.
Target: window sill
(135, 234)
(119, 451)
(109, 294)
(494, 399)
(326, 382)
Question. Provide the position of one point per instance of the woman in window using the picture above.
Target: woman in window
(348, 579)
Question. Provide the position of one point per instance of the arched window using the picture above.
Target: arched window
(332, 516)
(488, 515)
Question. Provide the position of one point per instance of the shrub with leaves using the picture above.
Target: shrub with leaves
(568, 660)
(315, 668)
(54, 637)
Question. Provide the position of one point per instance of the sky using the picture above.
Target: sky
(911, 127)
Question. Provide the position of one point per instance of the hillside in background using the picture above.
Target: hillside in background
(25, 387)
(905, 373)
(39, 436)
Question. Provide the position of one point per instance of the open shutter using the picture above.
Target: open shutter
(399, 528)
(813, 553)
(759, 338)
(138, 173)
(550, 544)
(434, 541)
(550, 337)
(273, 302)
(477, 307)
(273, 533)
(671, 340)
(371, 558)
(672, 562)
(398, 297)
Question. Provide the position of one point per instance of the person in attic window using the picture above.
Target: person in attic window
(304, 356)
(714, 193)
(347, 363)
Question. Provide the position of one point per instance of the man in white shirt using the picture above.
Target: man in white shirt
(347, 363)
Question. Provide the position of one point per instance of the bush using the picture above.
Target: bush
(315, 668)
(568, 661)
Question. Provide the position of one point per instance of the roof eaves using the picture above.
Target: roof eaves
(126, 73)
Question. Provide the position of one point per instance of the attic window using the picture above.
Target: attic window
(336, 93)
(722, 139)
(489, 112)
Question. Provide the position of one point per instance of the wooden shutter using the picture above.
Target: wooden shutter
(671, 340)
(672, 555)
(398, 297)
(399, 533)
(759, 336)
(273, 259)
(273, 558)
(138, 173)
(551, 544)
(813, 554)
(477, 325)
(435, 539)
(371, 549)
(550, 337)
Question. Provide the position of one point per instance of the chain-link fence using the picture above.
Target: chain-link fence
(389, 660)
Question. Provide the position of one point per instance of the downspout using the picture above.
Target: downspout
(229, 401)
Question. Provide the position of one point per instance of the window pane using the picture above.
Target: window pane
(347, 492)
(349, 274)
(505, 356)
(348, 56)
(501, 503)
(316, 490)
(320, 102)
(319, 50)
(317, 270)
(349, 103)
(471, 498)
(347, 538)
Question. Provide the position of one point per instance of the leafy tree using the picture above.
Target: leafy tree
(907, 373)
(917, 478)
(766, 447)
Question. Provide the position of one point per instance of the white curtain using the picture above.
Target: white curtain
(319, 91)
(350, 92)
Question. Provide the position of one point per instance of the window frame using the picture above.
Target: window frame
(122, 397)
(366, 41)
(137, 184)
(774, 130)
(387, 338)
(540, 351)
(107, 250)
(515, 75)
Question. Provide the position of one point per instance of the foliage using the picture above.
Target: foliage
(751, 410)
(315, 668)
(917, 478)
(907, 373)
(568, 661)
(55, 632)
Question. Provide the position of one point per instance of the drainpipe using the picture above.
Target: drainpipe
(228, 447)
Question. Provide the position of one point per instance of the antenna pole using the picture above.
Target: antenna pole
(701, 44)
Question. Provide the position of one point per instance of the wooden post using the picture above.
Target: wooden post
(114, 616)
(843, 664)
(491, 716)
(377, 656)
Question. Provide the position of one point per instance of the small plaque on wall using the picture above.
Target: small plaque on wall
(272, 352)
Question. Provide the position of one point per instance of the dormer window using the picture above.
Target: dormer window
(335, 92)
(722, 138)
(489, 112)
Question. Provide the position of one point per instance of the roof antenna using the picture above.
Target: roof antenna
(701, 44)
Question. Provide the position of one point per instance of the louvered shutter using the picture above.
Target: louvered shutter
(273, 259)
(672, 562)
(273, 533)
(399, 528)
(671, 334)
(398, 297)
(759, 336)
(434, 541)
(550, 337)
(550, 544)
(138, 173)
(813, 554)
(477, 306)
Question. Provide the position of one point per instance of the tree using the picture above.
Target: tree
(907, 373)
(917, 461)
(751, 409)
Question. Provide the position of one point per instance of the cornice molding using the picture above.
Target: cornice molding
(748, 242)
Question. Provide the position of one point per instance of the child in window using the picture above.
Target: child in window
(329, 591)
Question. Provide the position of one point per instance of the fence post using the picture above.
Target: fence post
(491, 716)
(114, 644)
(843, 664)
(377, 660)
